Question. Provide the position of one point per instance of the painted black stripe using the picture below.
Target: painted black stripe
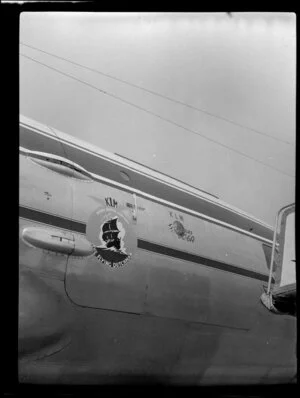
(167, 251)
(80, 227)
(51, 219)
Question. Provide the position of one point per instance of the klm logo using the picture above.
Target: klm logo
(110, 202)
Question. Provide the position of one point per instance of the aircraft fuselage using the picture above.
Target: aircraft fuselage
(125, 272)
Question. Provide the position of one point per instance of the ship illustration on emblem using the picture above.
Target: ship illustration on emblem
(112, 236)
(112, 251)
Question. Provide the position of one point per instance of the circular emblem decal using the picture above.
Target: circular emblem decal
(112, 237)
(181, 232)
(178, 228)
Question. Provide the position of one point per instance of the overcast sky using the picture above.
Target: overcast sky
(240, 67)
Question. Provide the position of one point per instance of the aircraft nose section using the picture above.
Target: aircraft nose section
(44, 315)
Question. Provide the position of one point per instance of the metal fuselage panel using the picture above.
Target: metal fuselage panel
(184, 306)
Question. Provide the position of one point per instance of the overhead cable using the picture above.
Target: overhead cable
(158, 94)
(156, 115)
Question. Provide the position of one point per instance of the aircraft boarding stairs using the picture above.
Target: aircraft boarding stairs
(280, 294)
